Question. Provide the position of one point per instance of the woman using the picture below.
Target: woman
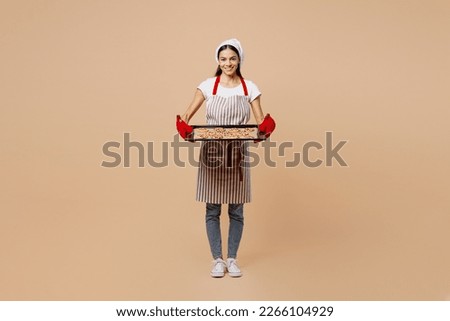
(223, 177)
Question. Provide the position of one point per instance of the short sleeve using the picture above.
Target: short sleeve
(206, 87)
(253, 90)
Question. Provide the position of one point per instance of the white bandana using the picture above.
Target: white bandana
(236, 44)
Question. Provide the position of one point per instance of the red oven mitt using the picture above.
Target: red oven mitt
(267, 126)
(183, 129)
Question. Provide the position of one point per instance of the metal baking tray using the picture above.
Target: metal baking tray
(224, 132)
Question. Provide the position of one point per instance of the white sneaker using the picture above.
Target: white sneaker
(233, 268)
(219, 267)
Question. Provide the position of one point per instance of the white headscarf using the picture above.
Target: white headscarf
(236, 44)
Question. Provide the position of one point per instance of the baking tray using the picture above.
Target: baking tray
(200, 132)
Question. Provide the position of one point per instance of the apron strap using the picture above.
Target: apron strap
(244, 86)
(216, 84)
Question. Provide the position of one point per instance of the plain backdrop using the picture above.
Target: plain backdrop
(75, 75)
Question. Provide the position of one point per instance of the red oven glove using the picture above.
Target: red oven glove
(183, 129)
(267, 126)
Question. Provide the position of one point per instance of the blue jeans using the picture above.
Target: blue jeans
(236, 215)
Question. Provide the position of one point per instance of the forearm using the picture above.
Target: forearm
(257, 110)
(190, 112)
(193, 107)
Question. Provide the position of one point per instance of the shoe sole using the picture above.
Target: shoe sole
(235, 275)
(221, 275)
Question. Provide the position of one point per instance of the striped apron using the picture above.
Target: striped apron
(224, 173)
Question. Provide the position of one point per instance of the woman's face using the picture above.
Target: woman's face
(228, 61)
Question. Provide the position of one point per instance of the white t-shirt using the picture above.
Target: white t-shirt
(207, 87)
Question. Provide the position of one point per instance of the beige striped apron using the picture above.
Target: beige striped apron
(223, 174)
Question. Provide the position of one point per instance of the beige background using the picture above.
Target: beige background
(77, 74)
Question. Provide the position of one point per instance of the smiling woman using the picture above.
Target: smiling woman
(229, 99)
(228, 60)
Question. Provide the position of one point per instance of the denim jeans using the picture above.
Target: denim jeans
(236, 215)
